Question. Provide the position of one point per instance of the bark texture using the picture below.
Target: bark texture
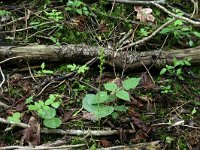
(36, 54)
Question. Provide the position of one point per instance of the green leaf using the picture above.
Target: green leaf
(121, 108)
(15, 118)
(72, 67)
(100, 97)
(110, 86)
(17, 115)
(166, 30)
(178, 71)
(123, 95)
(50, 100)
(79, 11)
(42, 66)
(187, 62)
(55, 104)
(115, 115)
(196, 34)
(103, 111)
(163, 71)
(47, 72)
(180, 77)
(193, 111)
(130, 83)
(87, 103)
(32, 107)
(29, 100)
(47, 113)
(191, 43)
(178, 22)
(111, 98)
(52, 123)
(82, 69)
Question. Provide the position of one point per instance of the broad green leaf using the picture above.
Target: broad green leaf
(40, 103)
(55, 104)
(17, 115)
(121, 108)
(110, 86)
(111, 98)
(79, 11)
(100, 97)
(166, 30)
(50, 100)
(130, 83)
(178, 22)
(123, 95)
(32, 107)
(163, 71)
(191, 43)
(52, 123)
(45, 107)
(196, 34)
(15, 118)
(47, 113)
(103, 111)
(87, 103)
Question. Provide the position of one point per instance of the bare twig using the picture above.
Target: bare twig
(150, 36)
(197, 23)
(3, 79)
(137, 2)
(69, 132)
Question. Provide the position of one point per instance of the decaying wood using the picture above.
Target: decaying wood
(83, 53)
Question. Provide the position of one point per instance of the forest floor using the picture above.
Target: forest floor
(78, 106)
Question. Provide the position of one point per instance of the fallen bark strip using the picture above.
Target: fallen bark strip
(69, 132)
(82, 53)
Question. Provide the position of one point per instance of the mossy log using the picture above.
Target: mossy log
(36, 54)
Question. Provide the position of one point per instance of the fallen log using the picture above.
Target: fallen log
(36, 54)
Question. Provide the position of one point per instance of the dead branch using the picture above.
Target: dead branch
(36, 54)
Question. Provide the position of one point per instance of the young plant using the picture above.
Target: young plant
(43, 70)
(177, 68)
(78, 7)
(178, 30)
(55, 15)
(15, 118)
(46, 110)
(79, 69)
(98, 104)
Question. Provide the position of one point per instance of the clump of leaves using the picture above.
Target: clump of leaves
(97, 104)
(79, 69)
(43, 70)
(179, 30)
(77, 6)
(15, 118)
(46, 110)
(177, 68)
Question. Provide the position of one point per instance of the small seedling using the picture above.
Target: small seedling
(15, 118)
(43, 70)
(97, 104)
(47, 110)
